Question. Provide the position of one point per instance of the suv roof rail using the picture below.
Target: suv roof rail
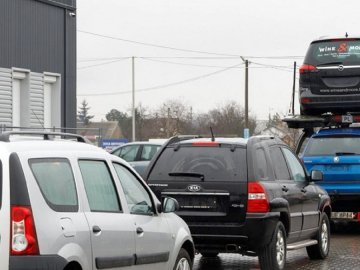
(5, 137)
(180, 138)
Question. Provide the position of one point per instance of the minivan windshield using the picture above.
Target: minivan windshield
(336, 52)
(189, 163)
(331, 146)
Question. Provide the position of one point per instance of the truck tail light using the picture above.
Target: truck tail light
(22, 232)
(307, 68)
(257, 199)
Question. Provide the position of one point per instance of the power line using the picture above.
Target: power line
(285, 57)
(102, 64)
(188, 64)
(102, 59)
(166, 85)
(158, 46)
(182, 64)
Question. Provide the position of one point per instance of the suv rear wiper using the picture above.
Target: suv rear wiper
(330, 63)
(188, 174)
(345, 154)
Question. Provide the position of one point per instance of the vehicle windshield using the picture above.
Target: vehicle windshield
(331, 146)
(201, 164)
(337, 52)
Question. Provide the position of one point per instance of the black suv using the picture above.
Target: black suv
(330, 77)
(244, 196)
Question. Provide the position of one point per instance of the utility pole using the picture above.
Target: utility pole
(133, 99)
(168, 123)
(246, 93)
(293, 93)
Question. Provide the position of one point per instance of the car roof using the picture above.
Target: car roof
(334, 38)
(337, 132)
(48, 146)
(136, 143)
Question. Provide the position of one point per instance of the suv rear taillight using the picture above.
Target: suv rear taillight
(257, 199)
(307, 68)
(23, 234)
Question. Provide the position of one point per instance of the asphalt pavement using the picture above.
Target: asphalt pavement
(344, 255)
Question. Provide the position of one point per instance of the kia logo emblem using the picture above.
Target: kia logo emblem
(336, 159)
(341, 68)
(194, 188)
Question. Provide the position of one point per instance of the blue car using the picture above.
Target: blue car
(336, 152)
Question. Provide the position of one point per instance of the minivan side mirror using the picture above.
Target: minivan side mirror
(316, 176)
(170, 205)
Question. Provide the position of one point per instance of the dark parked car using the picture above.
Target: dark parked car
(330, 77)
(336, 152)
(137, 154)
(251, 197)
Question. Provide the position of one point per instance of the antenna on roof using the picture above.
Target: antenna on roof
(212, 135)
(346, 35)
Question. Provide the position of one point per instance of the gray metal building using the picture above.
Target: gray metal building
(38, 63)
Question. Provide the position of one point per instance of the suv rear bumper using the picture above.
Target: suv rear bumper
(345, 202)
(330, 103)
(254, 233)
(41, 262)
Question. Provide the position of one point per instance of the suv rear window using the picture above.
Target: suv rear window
(325, 146)
(338, 52)
(214, 163)
(56, 181)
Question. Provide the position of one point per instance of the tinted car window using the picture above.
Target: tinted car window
(280, 167)
(297, 171)
(326, 146)
(137, 197)
(129, 152)
(99, 186)
(148, 151)
(56, 182)
(344, 52)
(261, 167)
(214, 163)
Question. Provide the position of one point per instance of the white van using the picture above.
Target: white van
(69, 205)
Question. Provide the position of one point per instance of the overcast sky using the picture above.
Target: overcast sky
(271, 34)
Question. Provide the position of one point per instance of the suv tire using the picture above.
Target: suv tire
(273, 256)
(321, 249)
(183, 261)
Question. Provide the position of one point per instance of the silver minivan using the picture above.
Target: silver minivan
(69, 205)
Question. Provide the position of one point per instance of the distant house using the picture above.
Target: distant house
(38, 63)
(100, 130)
(278, 129)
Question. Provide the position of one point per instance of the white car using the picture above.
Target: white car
(69, 205)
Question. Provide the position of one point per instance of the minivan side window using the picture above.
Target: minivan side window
(136, 195)
(280, 167)
(99, 186)
(297, 171)
(56, 182)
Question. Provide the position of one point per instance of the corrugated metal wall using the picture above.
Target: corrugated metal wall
(5, 97)
(41, 37)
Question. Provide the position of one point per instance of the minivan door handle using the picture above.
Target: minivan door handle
(303, 190)
(139, 230)
(96, 229)
(285, 188)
